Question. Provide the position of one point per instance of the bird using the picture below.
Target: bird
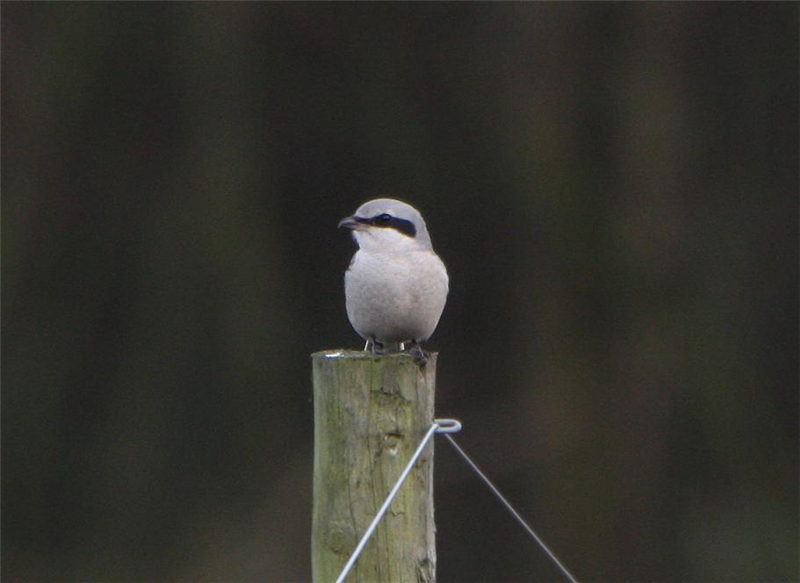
(396, 285)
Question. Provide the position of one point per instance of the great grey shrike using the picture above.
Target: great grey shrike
(396, 286)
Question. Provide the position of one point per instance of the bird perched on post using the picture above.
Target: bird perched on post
(396, 286)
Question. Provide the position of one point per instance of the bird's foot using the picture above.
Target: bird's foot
(374, 347)
(420, 356)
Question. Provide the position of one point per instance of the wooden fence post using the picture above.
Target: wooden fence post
(370, 414)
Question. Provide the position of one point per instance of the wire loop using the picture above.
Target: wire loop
(447, 425)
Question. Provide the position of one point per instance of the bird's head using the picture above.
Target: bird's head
(388, 225)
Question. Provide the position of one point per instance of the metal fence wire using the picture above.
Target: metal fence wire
(447, 427)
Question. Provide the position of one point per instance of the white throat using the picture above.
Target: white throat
(378, 240)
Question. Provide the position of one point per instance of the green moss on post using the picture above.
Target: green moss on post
(370, 414)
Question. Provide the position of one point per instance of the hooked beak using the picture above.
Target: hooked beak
(354, 223)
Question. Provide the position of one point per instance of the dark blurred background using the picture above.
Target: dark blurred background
(614, 189)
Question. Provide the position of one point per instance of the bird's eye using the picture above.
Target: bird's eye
(383, 219)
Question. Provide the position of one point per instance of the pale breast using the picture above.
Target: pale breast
(395, 298)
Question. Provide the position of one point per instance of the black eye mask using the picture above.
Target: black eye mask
(387, 221)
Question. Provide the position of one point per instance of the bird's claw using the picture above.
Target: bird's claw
(375, 347)
(420, 356)
(411, 348)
